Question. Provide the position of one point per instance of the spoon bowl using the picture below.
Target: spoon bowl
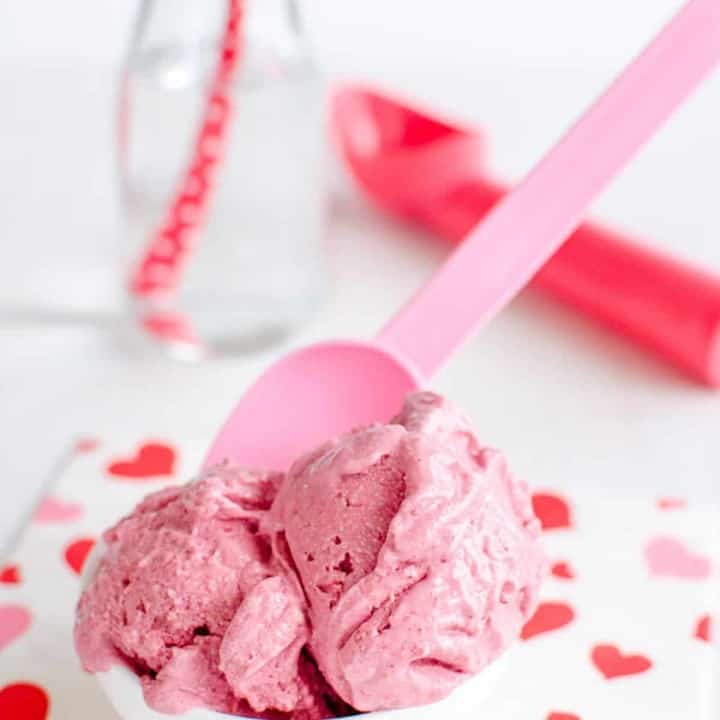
(404, 160)
(309, 396)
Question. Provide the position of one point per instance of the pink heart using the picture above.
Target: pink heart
(52, 510)
(669, 557)
(14, 621)
(671, 503)
(86, 444)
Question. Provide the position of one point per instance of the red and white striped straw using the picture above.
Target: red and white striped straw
(160, 268)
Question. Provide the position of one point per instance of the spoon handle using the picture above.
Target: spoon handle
(517, 237)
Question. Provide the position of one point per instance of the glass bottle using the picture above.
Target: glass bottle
(221, 160)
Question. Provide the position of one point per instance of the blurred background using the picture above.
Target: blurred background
(570, 403)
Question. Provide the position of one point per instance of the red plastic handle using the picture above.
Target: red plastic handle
(664, 305)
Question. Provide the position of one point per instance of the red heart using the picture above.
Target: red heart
(562, 716)
(10, 575)
(549, 616)
(76, 553)
(703, 628)
(24, 702)
(151, 460)
(671, 503)
(563, 571)
(552, 511)
(613, 664)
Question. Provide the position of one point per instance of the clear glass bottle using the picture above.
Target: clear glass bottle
(253, 258)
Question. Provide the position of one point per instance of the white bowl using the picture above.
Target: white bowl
(124, 690)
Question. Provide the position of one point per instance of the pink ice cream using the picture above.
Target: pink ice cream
(388, 567)
(189, 596)
(418, 553)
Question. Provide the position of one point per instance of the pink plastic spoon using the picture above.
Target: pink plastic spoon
(317, 392)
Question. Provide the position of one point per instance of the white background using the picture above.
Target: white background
(570, 404)
(585, 32)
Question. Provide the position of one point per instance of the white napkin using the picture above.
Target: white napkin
(630, 599)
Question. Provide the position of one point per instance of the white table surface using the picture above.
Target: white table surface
(571, 405)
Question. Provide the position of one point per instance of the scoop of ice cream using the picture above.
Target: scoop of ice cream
(389, 566)
(418, 553)
(188, 595)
